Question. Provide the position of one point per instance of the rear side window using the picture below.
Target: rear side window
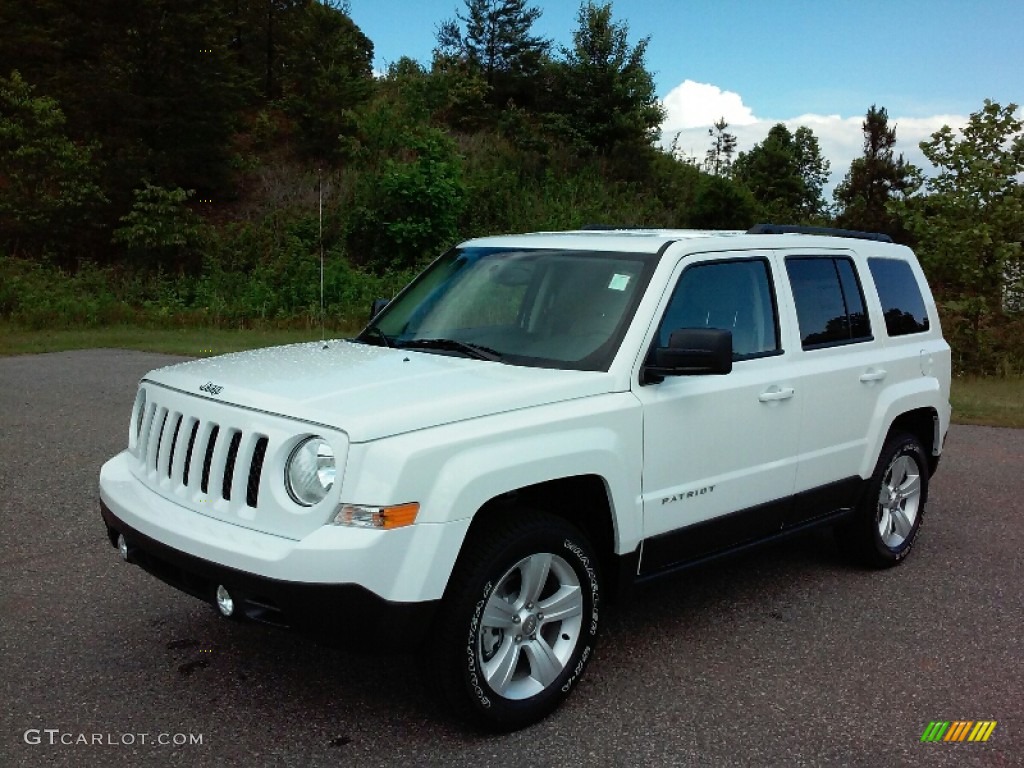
(900, 295)
(829, 301)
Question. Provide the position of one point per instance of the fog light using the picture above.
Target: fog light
(122, 546)
(225, 603)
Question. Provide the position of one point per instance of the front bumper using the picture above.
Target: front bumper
(365, 587)
(347, 613)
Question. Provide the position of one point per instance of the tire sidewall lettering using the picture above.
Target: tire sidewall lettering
(472, 670)
(591, 576)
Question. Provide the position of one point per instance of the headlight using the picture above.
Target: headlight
(310, 471)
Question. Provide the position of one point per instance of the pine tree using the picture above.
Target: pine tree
(718, 160)
(874, 180)
(606, 93)
(494, 40)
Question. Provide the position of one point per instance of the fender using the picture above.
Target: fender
(454, 469)
(896, 400)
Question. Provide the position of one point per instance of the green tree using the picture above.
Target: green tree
(48, 184)
(179, 89)
(786, 173)
(813, 169)
(874, 180)
(494, 40)
(968, 228)
(157, 81)
(161, 231)
(409, 208)
(718, 160)
(721, 203)
(262, 31)
(603, 90)
(35, 40)
(328, 74)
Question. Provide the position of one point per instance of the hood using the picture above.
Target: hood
(372, 392)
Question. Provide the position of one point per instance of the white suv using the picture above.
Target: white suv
(535, 422)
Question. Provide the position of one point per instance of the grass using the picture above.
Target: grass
(990, 402)
(197, 342)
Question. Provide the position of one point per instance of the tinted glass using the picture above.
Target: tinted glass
(900, 296)
(734, 296)
(829, 301)
(548, 308)
(860, 325)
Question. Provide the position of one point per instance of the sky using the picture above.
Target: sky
(800, 62)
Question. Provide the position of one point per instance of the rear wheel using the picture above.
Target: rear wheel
(888, 520)
(519, 620)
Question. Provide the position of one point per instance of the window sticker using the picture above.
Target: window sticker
(619, 282)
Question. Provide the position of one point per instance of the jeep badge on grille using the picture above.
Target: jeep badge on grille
(210, 387)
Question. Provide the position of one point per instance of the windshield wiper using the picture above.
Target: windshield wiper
(375, 332)
(472, 350)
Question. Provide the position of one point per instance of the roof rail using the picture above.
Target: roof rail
(782, 229)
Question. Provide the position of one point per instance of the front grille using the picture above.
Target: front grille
(190, 453)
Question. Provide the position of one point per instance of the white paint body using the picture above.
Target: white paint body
(452, 433)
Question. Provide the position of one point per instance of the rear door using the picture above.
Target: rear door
(839, 369)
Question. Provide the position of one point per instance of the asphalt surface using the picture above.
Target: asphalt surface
(787, 657)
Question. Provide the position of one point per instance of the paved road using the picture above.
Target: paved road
(788, 657)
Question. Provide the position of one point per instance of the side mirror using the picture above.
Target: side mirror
(691, 352)
(377, 307)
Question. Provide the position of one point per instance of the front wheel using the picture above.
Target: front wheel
(886, 524)
(519, 620)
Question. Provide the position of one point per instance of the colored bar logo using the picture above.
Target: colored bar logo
(958, 730)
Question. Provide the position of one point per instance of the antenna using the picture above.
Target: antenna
(320, 199)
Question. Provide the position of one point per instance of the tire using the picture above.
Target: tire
(885, 525)
(500, 661)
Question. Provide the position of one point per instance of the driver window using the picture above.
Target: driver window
(730, 295)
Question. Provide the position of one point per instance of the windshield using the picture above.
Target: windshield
(547, 308)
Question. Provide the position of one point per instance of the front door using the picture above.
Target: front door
(720, 451)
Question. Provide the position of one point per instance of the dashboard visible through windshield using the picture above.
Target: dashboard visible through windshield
(539, 307)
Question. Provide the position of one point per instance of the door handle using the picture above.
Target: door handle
(776, 393)
(873, 374)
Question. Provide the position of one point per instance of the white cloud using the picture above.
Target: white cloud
(699, 105)
(691, 109)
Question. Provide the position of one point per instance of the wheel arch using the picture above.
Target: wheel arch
(922, 423)
(584, 501)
